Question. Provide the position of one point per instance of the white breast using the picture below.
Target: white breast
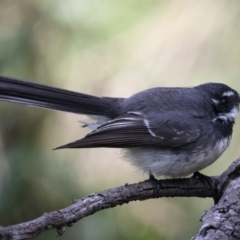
(169, 163)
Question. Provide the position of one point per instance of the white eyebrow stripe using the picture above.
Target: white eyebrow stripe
(228, 94)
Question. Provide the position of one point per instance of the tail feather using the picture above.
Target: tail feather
(33, 94)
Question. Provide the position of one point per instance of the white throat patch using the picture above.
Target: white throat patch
(228, 116)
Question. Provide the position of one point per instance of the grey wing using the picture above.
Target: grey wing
(134, 130)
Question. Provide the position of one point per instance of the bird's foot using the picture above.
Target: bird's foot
(203, 178)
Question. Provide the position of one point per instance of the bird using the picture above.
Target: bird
(163, 131)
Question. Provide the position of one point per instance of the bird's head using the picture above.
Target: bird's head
(225, 101)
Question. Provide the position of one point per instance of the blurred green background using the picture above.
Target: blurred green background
(107, 48)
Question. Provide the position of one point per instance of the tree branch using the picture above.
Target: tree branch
(213, 187)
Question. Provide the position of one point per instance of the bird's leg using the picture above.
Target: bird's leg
(154, 182)
(151, 176)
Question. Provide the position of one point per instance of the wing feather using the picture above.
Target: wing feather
(134, 130)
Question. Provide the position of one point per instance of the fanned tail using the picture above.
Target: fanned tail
(33, 94)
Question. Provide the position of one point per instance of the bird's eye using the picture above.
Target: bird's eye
(224, 99)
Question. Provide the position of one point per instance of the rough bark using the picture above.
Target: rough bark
(222, 220)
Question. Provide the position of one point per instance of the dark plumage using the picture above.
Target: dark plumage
(167, 131)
